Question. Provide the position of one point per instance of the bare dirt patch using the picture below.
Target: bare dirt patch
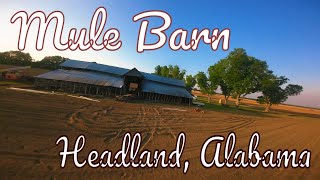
(31, 124)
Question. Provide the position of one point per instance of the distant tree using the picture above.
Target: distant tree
(205, 85)
(50, 62)
(15, 58)
(165, 71)
(190, 82)
(157, 70)
(273, 93)
(24, 59)
(177, 73)
(170, 71)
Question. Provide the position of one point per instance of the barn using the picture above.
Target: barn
(91, 78)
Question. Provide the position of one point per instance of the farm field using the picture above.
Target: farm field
(31, 123)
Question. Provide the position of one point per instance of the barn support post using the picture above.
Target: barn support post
(189, 102)
(35, 82)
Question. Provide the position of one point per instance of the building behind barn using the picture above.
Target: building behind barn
(97, 79)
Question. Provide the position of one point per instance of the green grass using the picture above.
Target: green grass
(6, 83)
(231, 108)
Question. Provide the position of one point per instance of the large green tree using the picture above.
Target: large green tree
(205, 85)
(274, 93)
(217, 75)
(241, 74)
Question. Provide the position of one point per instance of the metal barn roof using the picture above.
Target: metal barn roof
(118, 71)
(83, 77)
(160, 88)
(95, 78)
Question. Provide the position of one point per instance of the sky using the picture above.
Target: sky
(284, 33)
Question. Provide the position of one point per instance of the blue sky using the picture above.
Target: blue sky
(283, 33)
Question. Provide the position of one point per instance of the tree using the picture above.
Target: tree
(217, 75)
(242, 74)
(170, 71)
(190, 82)
(16, 58)
(273, 93)
(205, 85)
(50, 62)
(177, 73)
(157, 70)
(165, 71)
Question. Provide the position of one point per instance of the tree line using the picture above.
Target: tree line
(237, 75)
(19, 58)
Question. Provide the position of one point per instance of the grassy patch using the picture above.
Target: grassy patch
(5, 84)
(231, 108)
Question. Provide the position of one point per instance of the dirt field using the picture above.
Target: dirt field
(31, 123)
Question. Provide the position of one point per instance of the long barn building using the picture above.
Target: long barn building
(97, 79)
